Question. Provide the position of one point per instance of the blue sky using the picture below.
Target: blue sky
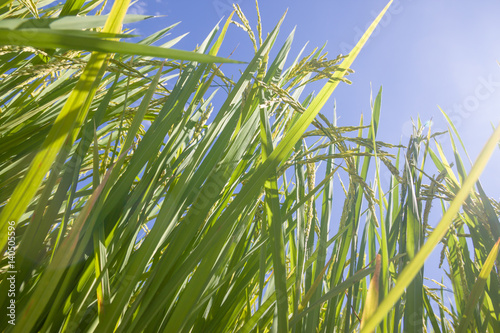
(424, 54)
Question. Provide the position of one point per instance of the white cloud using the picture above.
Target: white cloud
(138, 9)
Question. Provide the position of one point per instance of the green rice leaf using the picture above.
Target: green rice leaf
(478, 288)
(412, 269)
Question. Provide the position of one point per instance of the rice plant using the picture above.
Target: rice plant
(132, 200)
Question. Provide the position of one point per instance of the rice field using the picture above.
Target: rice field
(144, 190)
